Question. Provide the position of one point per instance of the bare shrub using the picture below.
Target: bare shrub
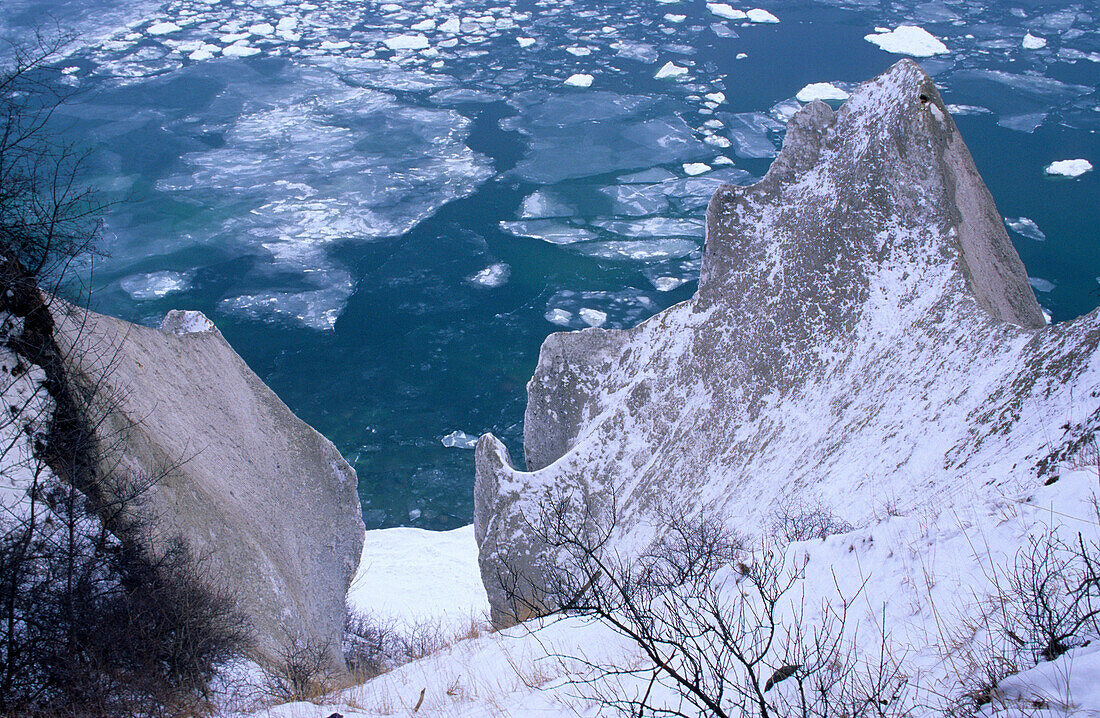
(801, 522)
(713, 620)
(302, 671)
(1046, 603)
(1051, 602)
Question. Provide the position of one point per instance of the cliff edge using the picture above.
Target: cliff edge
(863, 333)
(265, 500)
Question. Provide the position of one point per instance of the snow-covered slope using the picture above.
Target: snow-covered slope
(863, 336)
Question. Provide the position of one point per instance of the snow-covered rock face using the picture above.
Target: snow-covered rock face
(269, 502)
(863, 334)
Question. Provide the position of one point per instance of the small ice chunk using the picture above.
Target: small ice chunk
(414, 514)
(718, 97)
(163, 28)
(548, 231)
(495, 275)
(1068, 168)
(696, 168)
(1033, 42)
(671, 17)
(204, 53)
(578, 51)
(451, 26)
(561, 317)
(155, 285)
(908, 40)
(335, 45)
(543, 204)
(758, 15)
(459, 440)
(1041, 285)
(423, 25)
(821, 91)
(234, 37)
(525, 41)
(667, 284)
(240, 49)
(263, 28)
(593, 317)
(185, 322)
(740, 56)
(725, 11)
(670, 69)
(407, 42)
(1026, 228)
(579, 80)
(785, 110)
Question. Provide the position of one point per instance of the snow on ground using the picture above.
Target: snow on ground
(27, 410)
(411, 576)
(908, 40)
(924, 572)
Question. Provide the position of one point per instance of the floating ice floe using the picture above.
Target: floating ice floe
(154, 285)
(495, 275)
(725, 11)
(240, 49)
(696, 168)
(670, 70)
(1033, 42)
(407, 42)
(525, 41)
(639, 250)
(635, 200)
(163, 28)
(908, 40)
(652, 227)
(671, 17)
(821, 91)
(548, 231)
(560, 317)
(761, 16)
(1068, 168)
(749, 131)
(593, 317)
(204, 53)
(1041, 285)
(579, 80)
(667, 284)
(540, 204)
(1025, 228)
(459, 440)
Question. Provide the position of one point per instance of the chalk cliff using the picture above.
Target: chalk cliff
(863, 334)
(267, 501)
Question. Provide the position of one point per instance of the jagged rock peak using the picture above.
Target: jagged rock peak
(863, 327)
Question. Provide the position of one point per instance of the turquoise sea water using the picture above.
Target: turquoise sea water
(386, 207)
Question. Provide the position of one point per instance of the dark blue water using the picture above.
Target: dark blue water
(360, 221)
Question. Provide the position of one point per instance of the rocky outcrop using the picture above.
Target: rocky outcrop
(269, 503)
(863, 336)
